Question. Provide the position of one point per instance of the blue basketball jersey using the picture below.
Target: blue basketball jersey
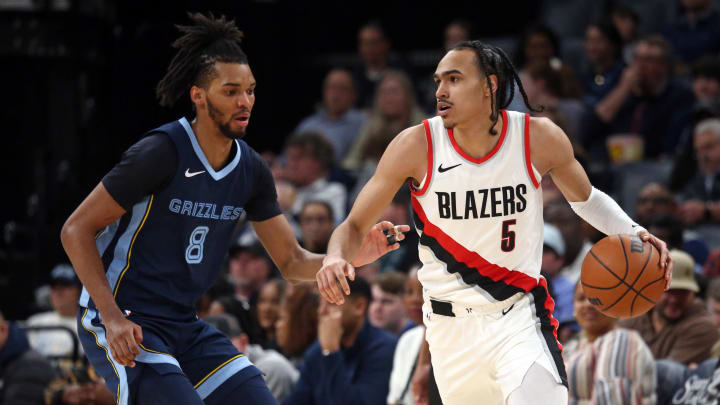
(167, 250)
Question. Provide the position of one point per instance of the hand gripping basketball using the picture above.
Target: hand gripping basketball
(624, 275)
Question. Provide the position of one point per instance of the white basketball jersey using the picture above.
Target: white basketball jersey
(480, 221)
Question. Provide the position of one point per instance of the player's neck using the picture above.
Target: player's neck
(474, 137)
(215, 146)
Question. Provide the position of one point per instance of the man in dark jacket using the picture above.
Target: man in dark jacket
(24, 373)
(350, 364)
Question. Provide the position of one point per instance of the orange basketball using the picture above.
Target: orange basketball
(621, 276)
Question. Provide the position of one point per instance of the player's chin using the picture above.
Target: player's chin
(448, 122)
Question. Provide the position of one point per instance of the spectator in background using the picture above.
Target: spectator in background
(374, 51)
(672, 230)
(700, 385)
(408, 346)
(705, 76)
(695, 32)
(595, 374)
(713, 300)
(627, 22)
(309, 160)
(268, 309)
(540, 45)
(78, 385)
(296, 327)
(387, 308)
(316, 224)
(279, 373)
(336, 119)
(394, 109)
(577, 245)
(65, 289)
(457, 31)
(647, 102)
(603, 51)
(679, 327)
(561, 289)
(24, 373)
(652, 200)
(702, 194)
(249, 268)
(351, 361)
(544, 87)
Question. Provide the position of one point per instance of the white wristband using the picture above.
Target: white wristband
(603, 213)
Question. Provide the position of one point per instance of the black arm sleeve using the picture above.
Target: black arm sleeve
(146, 167)
(263, 203)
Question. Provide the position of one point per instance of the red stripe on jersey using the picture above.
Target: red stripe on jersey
(549, 304)
(528, 162)
(430, 167)
(472, 259)
(462, 153)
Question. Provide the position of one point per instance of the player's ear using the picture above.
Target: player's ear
(197, 95)
(493, 85)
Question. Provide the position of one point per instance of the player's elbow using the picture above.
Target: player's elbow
(68, 233)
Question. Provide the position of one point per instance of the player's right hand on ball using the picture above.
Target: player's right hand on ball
(123, 337)
(331, 278)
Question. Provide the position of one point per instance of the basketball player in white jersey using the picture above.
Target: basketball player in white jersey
(475, 170)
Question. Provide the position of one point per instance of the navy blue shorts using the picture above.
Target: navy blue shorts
(189, 361)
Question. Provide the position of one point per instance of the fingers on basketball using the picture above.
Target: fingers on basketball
(622, 277)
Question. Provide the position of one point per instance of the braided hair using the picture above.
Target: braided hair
(493, 61)
(206, 41)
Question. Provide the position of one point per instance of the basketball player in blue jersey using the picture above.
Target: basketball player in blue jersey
(475, 170)
(150, 239)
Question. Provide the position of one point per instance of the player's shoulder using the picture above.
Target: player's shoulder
(544, 129)
(411, 139)
(549, 144)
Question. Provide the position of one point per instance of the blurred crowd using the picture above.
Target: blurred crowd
(636, 87)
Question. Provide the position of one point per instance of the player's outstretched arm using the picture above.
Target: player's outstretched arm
(405, 158)
(97, 211)
(551, 152)
(296, 263)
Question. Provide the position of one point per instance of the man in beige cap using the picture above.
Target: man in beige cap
(679, 327)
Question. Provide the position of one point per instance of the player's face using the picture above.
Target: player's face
(592, 321)
(462, 92)
(230, 97)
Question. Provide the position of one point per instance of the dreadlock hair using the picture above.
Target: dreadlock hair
(493, 61)
(206, 41)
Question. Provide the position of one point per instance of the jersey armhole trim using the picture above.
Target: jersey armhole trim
(528, 162)
(426, 183)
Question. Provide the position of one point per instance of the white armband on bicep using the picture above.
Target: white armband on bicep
(602, 212)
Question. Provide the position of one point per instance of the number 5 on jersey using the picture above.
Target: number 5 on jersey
(194, 251)
(507, 240)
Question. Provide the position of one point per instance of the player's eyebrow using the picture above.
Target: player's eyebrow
(237, 84)
(447, 73)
